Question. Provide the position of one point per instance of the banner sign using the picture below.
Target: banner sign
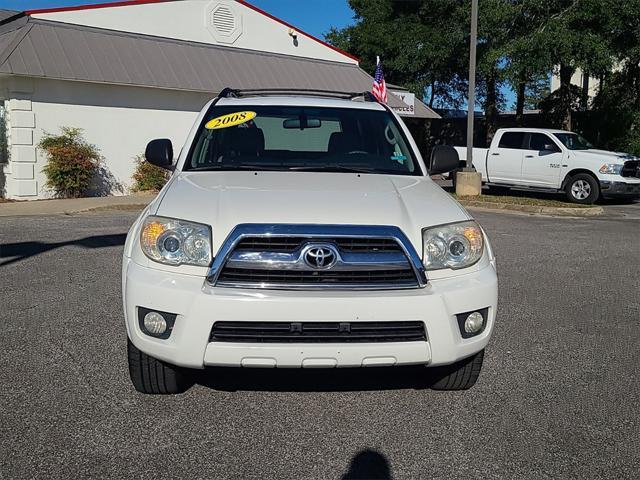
(409, 99)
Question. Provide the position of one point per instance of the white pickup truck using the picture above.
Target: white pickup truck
(304, 232)
(555, 160)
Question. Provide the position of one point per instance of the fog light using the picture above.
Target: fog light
(473, 323)
(155, 323)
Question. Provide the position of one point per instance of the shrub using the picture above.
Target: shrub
(72, 162)
(148, 176)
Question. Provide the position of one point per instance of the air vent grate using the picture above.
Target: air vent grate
(223, 20)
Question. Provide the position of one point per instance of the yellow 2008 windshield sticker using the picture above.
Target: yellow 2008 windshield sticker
(230, 120)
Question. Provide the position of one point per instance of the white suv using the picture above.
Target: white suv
(304, 231)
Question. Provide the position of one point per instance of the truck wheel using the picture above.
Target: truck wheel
(461, 375)
(150, 375)
(582, 188)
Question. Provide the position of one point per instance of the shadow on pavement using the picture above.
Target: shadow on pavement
(22, 250)
(312, 380)
(368, 464)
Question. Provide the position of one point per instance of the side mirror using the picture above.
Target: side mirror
(444, 159)
(159, 152)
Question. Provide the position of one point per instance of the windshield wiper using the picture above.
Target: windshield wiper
(222, 168)
(273, 168)
(333, 168)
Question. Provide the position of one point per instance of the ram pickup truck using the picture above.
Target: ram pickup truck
(304, 231)
(555, 160)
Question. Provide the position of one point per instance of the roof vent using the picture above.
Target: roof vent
(223, 22)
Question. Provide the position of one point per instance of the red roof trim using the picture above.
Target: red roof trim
(123, 3)
(267, 14)
(126, 3)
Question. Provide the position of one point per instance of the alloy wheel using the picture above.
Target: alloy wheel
(581, 189)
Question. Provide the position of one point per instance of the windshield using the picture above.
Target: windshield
(301, 139)
(573, 141)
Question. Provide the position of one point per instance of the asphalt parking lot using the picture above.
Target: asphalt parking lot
(558, 396)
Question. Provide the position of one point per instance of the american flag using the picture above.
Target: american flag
(379, 87)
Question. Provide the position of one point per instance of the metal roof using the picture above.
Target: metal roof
(47, 49)
(6, 14)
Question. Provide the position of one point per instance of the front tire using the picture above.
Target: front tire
(461, 375)
(150, 375)
(582, 188)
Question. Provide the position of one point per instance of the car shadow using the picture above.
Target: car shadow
(231, 379)
(19, 251)
(368, 464)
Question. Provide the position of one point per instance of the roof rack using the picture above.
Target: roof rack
(238, 93)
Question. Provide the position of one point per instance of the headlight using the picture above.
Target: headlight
(457, 245)
(176, 242)
(611, 168)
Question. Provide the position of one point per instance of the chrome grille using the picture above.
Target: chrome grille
(286, 257)
(290, 244)
(322, 277)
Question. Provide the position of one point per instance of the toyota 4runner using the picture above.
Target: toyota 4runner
(303, 230)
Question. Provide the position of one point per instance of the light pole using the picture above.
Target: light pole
(472, 83)
(468, 181)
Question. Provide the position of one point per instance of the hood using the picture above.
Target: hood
(604, 155)
(226, 199)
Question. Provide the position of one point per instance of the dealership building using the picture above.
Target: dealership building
(131, 71)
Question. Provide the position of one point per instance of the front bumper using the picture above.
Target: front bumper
(198, 306)
(620, 189)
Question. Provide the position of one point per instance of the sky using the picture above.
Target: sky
(313, 17)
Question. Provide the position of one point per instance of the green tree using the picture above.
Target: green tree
(571, 34)
(496, 25)
(615, 120)
(421, 43)
(424, 45)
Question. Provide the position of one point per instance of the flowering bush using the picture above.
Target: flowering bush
(148, 176)
(72, 162)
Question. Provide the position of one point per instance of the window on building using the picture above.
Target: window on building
(512, 140)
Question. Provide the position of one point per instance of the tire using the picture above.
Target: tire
(461, 375)
(582, 188)
(150, 375)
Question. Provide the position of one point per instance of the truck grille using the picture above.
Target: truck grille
(291, 244)
(317, 332)
(631, 169)
(307, 257)
(322, 277)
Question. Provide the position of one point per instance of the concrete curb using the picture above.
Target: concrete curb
(536, 209)
(74, 206)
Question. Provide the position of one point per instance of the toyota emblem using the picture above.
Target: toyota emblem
(320, 257)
